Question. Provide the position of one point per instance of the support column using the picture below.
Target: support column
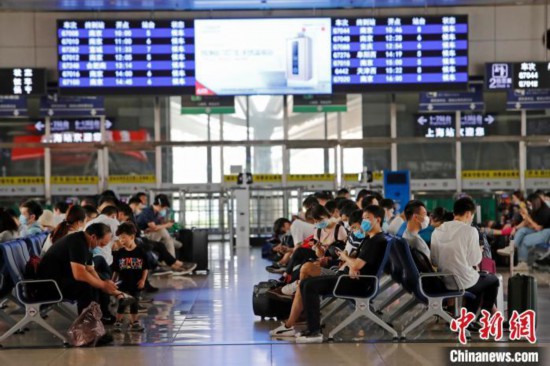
(326, 158)
(523, 152)
(48, 163)
(104, 174)
(393, 133)
(286, 157)
(339, 153)
(458, 157)
(158, 149)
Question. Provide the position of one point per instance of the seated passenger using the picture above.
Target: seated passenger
(301, 227)
(356, 235)
(323, 197)
(69, 263)
(9, 230)
(28, 220)
(91, 213)
(439, 216)
(73, 222)
(152, 222)
(47, 221)
(417, 219)
(60, 211)
(369, 200)
(344, 193)
(367, 263)
(330, 206)
(534, 230)
(455, 249)
(389, 208)
(360, 195)
(345, 212)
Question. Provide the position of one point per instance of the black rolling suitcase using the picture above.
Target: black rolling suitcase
(267, 307)
(195, 247)
(522, 294)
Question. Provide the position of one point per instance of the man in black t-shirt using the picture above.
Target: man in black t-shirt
(69, 263)
(368, 262)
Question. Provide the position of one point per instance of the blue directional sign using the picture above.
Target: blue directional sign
(472, 100)
(13, 106)
(439, 125)
(71, 106)
(537, 99)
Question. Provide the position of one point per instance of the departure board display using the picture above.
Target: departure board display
(399, 53)
(263, 55)
(22, 81)
(126, 57)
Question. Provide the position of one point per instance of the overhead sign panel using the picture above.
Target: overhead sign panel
(71, 106)
(13, 106)
(399, 53)
(471, 100)
(195, 104)
(320, 103)
(22, 81)
(517, 75)
(528, 99)
(440, 125)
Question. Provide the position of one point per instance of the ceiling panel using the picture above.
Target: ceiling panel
(147, 5)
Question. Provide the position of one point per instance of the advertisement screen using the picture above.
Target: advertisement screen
(263, 56)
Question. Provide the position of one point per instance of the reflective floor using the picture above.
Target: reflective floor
(211, 316)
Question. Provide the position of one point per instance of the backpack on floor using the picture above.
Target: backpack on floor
(268, 307)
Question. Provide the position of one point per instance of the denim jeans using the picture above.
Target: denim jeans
(526, 238)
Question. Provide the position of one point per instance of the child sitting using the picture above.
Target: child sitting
(130, 268)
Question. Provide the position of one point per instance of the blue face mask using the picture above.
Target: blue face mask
(359, 234)
(322, 225)
(385, 226)
(366, 225)
(23, 220)
(162, 212)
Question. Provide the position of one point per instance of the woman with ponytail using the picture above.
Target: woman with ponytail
(74, 221)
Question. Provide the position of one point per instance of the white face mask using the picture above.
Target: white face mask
(346, 225)
(425, 223)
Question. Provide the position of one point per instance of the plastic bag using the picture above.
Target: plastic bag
(87, 328)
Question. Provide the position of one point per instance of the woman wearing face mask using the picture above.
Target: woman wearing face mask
(74, 221)
(9, 229)
(417, 219)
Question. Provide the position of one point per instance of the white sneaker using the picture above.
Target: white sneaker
(290, 289)
(308, 337)
(521, 267)
(283, 331)
(507, 251)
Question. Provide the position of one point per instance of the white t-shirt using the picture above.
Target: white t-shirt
(415, 241)
(455, 249)
(395, 225)
(300, 230)
(107, 251)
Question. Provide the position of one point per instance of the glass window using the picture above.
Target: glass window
(133, 121)
(490, 156)
(538, 122)
(407, 108)
(265, 117)
(267, 160)
(310, 161)
(506, 122)
(353, 160)
(377, 115)
(427, 161)
(538, 158)
(377, 159)
(20, 161)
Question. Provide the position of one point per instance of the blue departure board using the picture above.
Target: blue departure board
(399, 53)
(126, 57)
(345, 55)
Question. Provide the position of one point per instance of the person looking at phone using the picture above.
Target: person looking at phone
(368, 261)
(153, 220)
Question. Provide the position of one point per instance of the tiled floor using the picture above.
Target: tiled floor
(211, 318)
